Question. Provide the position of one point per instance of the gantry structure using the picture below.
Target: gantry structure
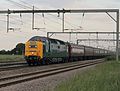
(63, 11)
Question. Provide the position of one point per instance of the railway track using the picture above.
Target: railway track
(11, 63)
(5, 66)
(13, 67)
(11, 80)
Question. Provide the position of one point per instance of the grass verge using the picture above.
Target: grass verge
(104, 77)
(8, 58)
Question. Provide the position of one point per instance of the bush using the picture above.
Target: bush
(110, 58)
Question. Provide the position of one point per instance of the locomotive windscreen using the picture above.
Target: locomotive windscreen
(38, 38)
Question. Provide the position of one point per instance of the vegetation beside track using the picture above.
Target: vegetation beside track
(8, 58)
(103, 77)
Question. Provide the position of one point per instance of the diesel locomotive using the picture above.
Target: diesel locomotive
(43, 50)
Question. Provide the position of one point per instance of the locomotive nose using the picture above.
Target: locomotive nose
(34, 49)
(32, 53)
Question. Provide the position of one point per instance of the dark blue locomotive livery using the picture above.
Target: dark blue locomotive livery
(47, 50)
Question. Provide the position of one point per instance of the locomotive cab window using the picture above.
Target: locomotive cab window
(33, 46)
(61, 42)
(58, 47)
(53, 41)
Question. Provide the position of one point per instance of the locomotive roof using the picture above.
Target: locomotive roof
(40, 38)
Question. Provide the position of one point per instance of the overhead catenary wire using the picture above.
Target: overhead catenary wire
(6, 21)
(13, 19)
(35, 7)
(18, 4)
(22, 6)
(29, 6)
(51, 14)
(83, 15)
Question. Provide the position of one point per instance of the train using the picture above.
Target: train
(44, 50)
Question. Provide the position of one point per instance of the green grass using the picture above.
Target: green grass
(4, 58)
(103, 77)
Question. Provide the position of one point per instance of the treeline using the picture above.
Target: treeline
(18, 50)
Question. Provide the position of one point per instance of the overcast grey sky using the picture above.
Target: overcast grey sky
(90, 22)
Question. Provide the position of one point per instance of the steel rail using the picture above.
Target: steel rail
(14, 63)
(14, 67)
(7, 81)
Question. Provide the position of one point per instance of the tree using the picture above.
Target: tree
(19, 50)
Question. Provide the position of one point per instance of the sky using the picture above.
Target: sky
(51, 22)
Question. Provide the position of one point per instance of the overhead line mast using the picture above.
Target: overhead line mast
(76, 11)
